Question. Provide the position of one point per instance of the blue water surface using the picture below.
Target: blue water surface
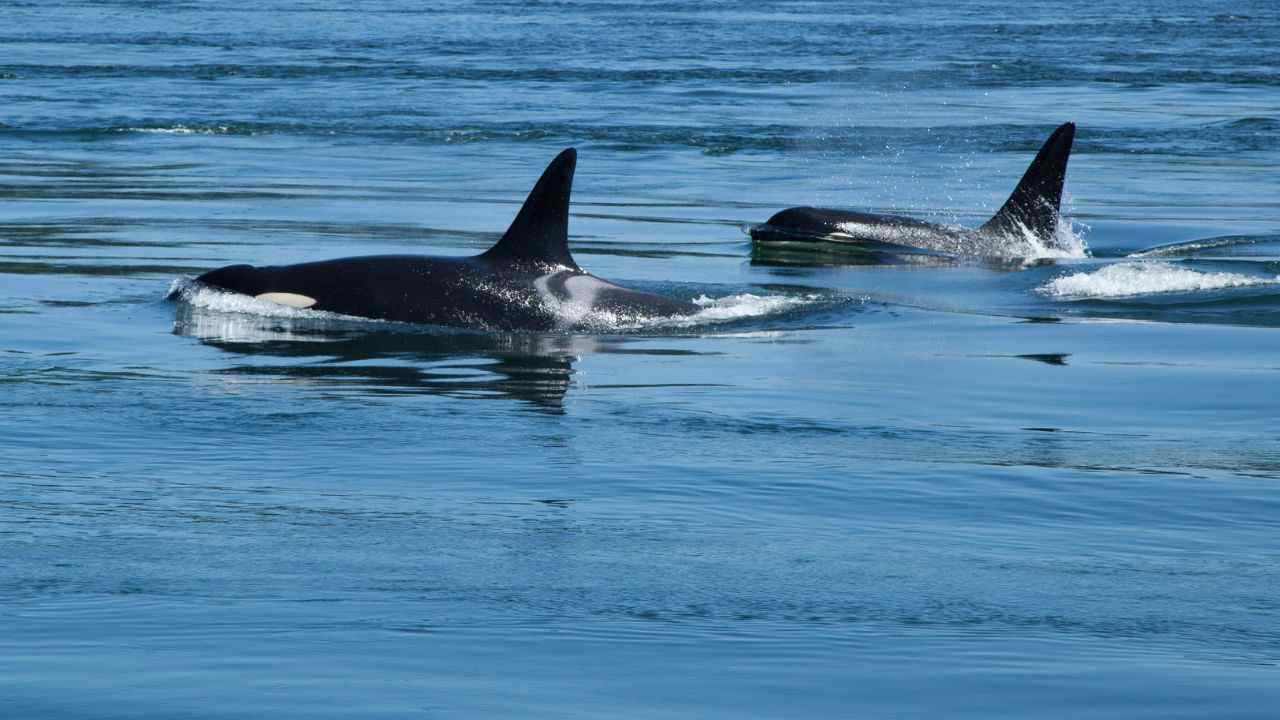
(1043, 488)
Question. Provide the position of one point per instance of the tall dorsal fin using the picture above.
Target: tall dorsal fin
(1034, 203)
(540, 232)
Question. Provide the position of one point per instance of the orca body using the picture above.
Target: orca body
(527, 281)
(1029, 215)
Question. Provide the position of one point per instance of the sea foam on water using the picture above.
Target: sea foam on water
(1134, 279)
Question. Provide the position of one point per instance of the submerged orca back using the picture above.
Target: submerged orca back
(1033, 206)
(540, 232)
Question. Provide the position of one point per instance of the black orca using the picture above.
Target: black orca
(1030, 215)
(527, 281)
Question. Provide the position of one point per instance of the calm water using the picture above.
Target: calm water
(978, 491)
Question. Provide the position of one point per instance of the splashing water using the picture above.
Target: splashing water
(736, 307)
(1068, 239)
(712, 311)
(1134, 279)
(1067, 243)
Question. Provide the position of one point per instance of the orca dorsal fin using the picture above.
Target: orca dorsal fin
(540, 232)
(1033, 206)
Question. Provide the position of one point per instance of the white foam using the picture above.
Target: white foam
(1149, 278)
(711, 311)
(179, 130)
(1067, 243)
(1068, 240)
(730, 308)
(207, 298)
(577, 310)
(736, 307)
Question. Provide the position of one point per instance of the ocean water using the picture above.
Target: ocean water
(1043, 489)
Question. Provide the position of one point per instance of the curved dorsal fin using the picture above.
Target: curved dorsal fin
(540, 232)
(1034, 203)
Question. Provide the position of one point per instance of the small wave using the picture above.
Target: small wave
(180, 130)
(1249, 134)
(213, 128)
(1194, 247)
(1254, 123)
(391, 71)
(166, 127)
(1136, 279)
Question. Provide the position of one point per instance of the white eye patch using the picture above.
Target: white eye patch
(292, 300)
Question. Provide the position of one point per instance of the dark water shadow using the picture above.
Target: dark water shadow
(390, 359)
(833, 255)
(784, 255)
(386, 359)
(1059, 359)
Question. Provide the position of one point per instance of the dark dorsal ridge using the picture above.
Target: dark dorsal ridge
(540, 233)
(1034, 203)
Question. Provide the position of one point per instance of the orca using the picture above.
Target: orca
(527, 281)
(1029, 217)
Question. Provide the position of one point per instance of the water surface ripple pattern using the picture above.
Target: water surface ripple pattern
(961, 489)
